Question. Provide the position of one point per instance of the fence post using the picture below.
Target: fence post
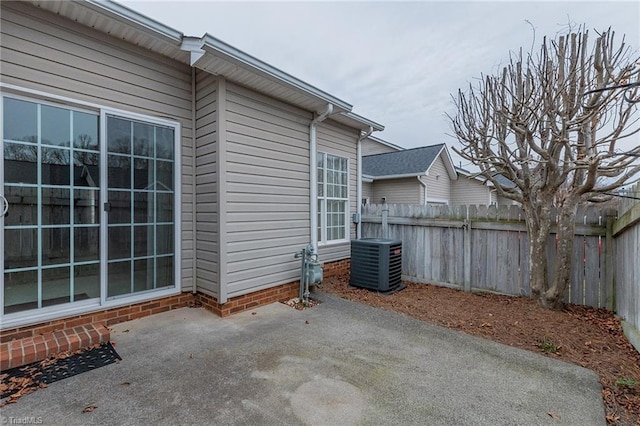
(609, 267)
(385, 220)
(466, 257)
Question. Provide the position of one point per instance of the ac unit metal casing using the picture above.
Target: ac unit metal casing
(376, 264)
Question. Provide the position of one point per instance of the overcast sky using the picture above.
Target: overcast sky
(397, 63)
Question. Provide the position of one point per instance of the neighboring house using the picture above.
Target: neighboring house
(144, 168)
(373, 145)
(411, 176)
(423, 175)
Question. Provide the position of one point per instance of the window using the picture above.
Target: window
(333, 198)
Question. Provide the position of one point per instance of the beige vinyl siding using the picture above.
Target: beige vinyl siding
(371, 147)
(397, 191)
(466, 191)
(438, 182)
(367, 191)
(340, 140)
(267, 190)
(44, 52)
(207, 220)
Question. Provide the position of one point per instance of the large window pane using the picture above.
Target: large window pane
(56, 286)
(20, 248)
(143, 207)
(143, 139)
(165, 275)
(56, 168)
(118, 135)
(164, 175)
(20, 120)
(56, 206)
(56, 245)
(86, 206)
(164, 207)
(20, 291)
(55, 125)
(120, 204)
(119, 239)
(143, 241)
(85, 131)
(20, 163)
(164, 235)
(86, 282)
(86, 169)
(164, 142)
(119, 171)
(143, 174)
(143, 275)
(119, 278)
(86, 243)
(23, 205)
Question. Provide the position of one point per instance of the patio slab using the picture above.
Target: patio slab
(339, 363)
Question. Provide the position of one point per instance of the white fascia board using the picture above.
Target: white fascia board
(408, 175)
(364, 123)
(219, 48)
(129, 17)
(367, 178)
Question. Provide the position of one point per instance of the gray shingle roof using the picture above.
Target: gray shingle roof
(405, 162)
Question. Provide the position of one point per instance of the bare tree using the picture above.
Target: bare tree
(550, 123)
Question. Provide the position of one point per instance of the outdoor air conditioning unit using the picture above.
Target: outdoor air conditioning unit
(376, 264)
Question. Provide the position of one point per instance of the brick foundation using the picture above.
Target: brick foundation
(341, 267)
(251, 300)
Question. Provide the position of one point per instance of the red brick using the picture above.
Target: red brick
(29, 354)
(16, 356)
(15, 334)
(46, 329)
(159, 309)
(76, 322)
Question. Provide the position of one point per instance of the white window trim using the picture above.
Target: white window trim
(26, 318)
(322, 241)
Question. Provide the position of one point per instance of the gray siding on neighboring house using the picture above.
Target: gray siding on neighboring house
(44, 52)
(207, 219)
(397, 191)
(267, 183)
(371, 147)
(466, 191)
(438, 182)
(340, 140)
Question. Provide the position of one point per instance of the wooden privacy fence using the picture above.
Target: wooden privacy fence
(626, 231)
(487, 248)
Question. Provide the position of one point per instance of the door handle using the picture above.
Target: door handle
(5, 205)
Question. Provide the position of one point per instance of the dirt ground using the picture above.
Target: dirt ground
(589, 337)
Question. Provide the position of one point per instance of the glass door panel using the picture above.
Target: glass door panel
(51, 238)
(141, 228)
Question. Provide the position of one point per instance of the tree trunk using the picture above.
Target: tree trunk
(538, 220)
(554, 297)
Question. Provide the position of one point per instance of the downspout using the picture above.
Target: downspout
(194, 261)
(313, 170)
(424, 184)
(362, 137)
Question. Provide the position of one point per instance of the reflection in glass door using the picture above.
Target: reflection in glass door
(140, 199)
(51, 181)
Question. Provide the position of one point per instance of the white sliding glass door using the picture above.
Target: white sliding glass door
(63, 245)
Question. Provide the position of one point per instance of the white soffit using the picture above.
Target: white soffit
(120, 22)
(354, 120)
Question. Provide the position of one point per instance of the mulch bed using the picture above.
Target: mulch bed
(589, 337)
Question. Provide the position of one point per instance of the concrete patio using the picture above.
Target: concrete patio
(339, 363)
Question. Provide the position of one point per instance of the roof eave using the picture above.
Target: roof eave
(219, 48)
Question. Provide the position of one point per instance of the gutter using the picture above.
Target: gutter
(313, 179)
(424, 184)
(362, 137)
(194, 222)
